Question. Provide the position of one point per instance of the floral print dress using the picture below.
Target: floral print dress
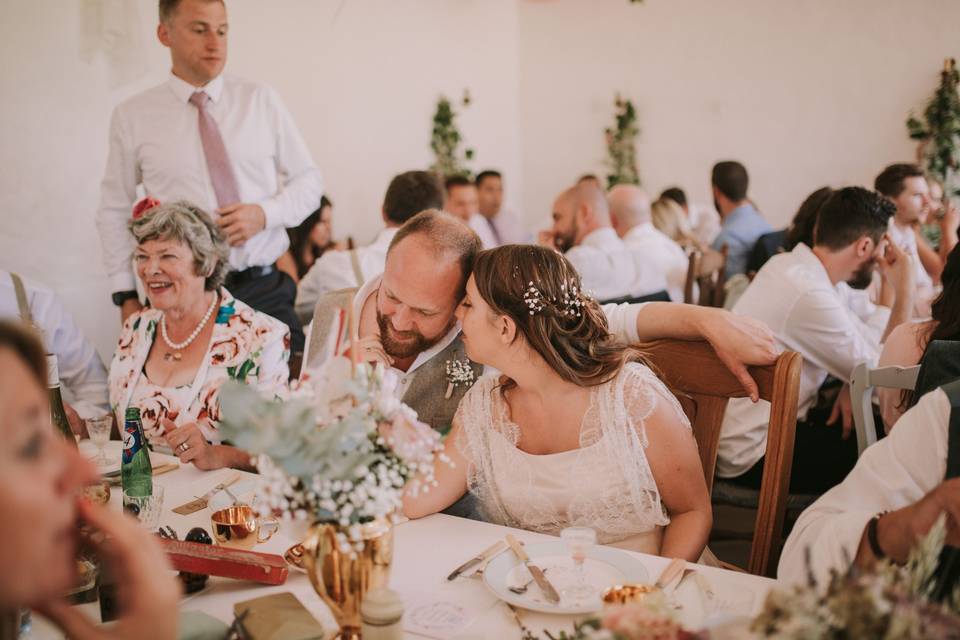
(246, 345)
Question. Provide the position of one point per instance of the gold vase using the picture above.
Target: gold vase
(342, 579)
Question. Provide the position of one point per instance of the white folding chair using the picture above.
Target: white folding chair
(862, 382)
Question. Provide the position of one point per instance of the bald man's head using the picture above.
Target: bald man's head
(629, 206)
(577, 212)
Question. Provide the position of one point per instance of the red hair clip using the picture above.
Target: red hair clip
(145, 205)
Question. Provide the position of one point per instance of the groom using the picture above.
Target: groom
(406, 320)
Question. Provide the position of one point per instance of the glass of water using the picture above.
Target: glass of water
(579, 541)
(99, 430)
(146, 509)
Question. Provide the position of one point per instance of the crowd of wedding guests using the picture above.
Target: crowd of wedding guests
(232, 253)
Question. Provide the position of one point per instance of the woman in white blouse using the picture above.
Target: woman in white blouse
(577, 430)
(174, 355)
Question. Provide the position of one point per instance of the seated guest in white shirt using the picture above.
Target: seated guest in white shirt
(463, 202)
(652, 250)
(309, 241)
(907, 343)
(907, 188)
(408, 194)
(796, 295)
(583, 232)
(894, 495)
(82, 372)
(703, 220)
(504, 225)
(226, 144)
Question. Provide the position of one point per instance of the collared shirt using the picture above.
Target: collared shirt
(656, 254)
(740, 231)
(81, 371)
(155, 146)
(481, 227)
(334, 271)
(896, 472)
(705, 222)
(906, 239)
(506, 226)
(794, 296)
(605, 265)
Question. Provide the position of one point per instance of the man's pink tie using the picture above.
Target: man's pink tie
(218, 163)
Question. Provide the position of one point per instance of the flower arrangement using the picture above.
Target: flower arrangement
(445, 140)
(338, 448)
(621, 145)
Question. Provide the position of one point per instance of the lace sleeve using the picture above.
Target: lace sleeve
(643, 391)
(474, 417)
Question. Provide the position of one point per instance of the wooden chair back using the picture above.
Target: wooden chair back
(704, 385)
(706, 269)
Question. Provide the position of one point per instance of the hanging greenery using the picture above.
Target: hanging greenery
(621, 145)
(939, 131)
(446, 140)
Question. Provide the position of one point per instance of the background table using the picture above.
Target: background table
(426, 551)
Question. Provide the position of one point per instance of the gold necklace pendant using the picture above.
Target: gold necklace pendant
(176, 357)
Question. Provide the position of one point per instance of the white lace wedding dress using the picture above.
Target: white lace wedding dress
(606, 484)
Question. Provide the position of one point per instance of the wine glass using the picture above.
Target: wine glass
(99, 430)
(579, 540)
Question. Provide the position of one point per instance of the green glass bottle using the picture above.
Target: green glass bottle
(136, 472)
(57, 413)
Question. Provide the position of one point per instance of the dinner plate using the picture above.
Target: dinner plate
(603, 568)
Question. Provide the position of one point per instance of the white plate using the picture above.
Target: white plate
(603, 568)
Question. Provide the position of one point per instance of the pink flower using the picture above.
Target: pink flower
(412, 440)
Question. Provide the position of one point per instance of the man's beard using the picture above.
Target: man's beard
(564, 241)
(863, 276)
(406, 344)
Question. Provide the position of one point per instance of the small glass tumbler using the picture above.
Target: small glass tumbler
(145, 508)
(99, 431)
(579, 541)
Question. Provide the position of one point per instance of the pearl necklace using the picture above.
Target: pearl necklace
(178, 347)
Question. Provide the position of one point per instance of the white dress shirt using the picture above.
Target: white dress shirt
(508, 228)
(155, 145)
(605, 265)
(654, 252)
(334, 271)
(481, 227)
(705, 222)
(793, 295)
(81, 371)
(906, 239)
(894, 473)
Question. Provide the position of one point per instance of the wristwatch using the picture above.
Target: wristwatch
(119, 297)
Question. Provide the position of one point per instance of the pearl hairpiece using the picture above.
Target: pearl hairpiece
(569, 305)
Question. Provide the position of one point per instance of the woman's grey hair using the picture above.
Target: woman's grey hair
(191, 225)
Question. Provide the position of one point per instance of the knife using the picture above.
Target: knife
(535, 571)
(485, 555)
(201, 502)
(113, 477)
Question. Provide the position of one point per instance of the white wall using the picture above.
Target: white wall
(804, 93)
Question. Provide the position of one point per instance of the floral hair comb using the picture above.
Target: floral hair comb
(569, 305)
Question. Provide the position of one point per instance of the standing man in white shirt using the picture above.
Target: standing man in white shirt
(907, 188)
(408, 194)
(82, 373)
(463, 201)
(796, 295)
(583, 232)
(504, 224)
(653, 251)
(225, 144)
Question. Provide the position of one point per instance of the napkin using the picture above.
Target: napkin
(279, 616)
(196, 625)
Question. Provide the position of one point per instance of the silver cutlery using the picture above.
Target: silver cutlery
(548, 591)
(482, 557)
(522, 589)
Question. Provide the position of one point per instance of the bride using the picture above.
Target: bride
(576, 430)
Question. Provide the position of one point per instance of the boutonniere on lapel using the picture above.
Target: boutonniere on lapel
(459, 372)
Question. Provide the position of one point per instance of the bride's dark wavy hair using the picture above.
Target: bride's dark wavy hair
(580, 348)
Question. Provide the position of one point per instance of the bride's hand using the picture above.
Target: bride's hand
(739, 342)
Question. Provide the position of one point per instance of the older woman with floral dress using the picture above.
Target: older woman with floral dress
(174, 355)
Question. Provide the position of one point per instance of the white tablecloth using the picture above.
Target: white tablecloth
(426, 551)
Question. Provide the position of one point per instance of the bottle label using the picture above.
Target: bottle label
(131, 441)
